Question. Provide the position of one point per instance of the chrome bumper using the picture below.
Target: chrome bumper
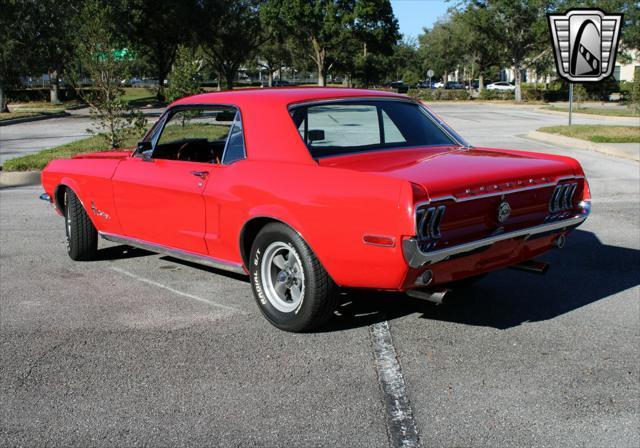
(416, 258)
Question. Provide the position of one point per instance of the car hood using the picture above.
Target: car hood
(458, 171)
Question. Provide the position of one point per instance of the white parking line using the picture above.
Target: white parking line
(175, 291)
(400, 423)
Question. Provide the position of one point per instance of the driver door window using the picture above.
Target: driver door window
(196, 135)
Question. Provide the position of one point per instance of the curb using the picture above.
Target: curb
(631, 120)
(34, 118)
(584, 144)
(19, 178)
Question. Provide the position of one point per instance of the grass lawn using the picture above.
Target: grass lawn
(139, 96)
(34, 109)
(617, 112)
(11, 115)
(42, 106)
(39, 160)
(597, 133)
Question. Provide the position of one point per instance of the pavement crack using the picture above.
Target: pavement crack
(401, 427)
(24, 377)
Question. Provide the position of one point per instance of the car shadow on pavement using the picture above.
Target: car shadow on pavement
(584, 272)
(121, 252)
(233, 275)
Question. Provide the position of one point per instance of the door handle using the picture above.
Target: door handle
(200, 174)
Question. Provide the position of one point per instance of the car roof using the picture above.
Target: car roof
(269, 131)
(281, 96)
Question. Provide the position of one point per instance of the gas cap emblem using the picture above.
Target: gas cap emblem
(504, 211)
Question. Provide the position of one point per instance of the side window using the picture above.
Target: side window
(235, 144)
(195, 134)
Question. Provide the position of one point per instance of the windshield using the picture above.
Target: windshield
(352, 126)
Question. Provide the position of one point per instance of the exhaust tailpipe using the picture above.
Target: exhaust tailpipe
(533, 266)
(434, 296)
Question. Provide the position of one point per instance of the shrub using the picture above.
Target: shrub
(27, 95)
(635, 92)
(183, 79)
(439, 94)
(600, 91)
(487, 94)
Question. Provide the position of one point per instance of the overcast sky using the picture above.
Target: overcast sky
(413, 15)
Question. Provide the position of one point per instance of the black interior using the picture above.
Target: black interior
(191, 150)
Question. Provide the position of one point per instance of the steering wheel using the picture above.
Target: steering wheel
(181, 150)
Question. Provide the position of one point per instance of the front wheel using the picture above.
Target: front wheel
(292, 289)
(82, 236)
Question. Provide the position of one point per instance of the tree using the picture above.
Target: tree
(630, 29)
(405, 58)
(375, 31)
(276, 48)
(95, 45)
(519, 27)
(229, 33)
(483, 52)
(319, 25)
(156, 28)
(53, 49)
(183, 78)
(17, 35)
(442, 47)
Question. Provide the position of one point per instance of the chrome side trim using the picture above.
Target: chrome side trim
(177, 253)
(416, 258)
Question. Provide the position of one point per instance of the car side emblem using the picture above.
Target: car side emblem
(504, 211)
(96, 211)
(585, 43)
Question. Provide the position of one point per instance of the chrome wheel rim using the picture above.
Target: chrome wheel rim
(282, 277)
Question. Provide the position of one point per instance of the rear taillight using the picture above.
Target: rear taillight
(562, 197)
(428, 220)
(585, 203)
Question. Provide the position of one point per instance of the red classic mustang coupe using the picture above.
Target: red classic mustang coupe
(311, 189)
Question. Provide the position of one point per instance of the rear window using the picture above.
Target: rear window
(345, 127)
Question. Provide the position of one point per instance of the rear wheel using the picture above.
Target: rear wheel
(291, 287)
(82, 236)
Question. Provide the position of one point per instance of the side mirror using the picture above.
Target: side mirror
(314, 135)
(145, 150)
(143, 147)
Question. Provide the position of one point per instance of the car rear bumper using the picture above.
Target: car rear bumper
(416, 258)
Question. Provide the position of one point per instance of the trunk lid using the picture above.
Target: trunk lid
(446, 171)
(472, 185)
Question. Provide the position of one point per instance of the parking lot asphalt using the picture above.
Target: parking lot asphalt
(142, 349)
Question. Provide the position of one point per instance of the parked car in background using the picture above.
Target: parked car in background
(425, 85)
(438, 85)
(399, 86)
(309, 190)
(454, 85)
(280, 83)
(502, 85)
